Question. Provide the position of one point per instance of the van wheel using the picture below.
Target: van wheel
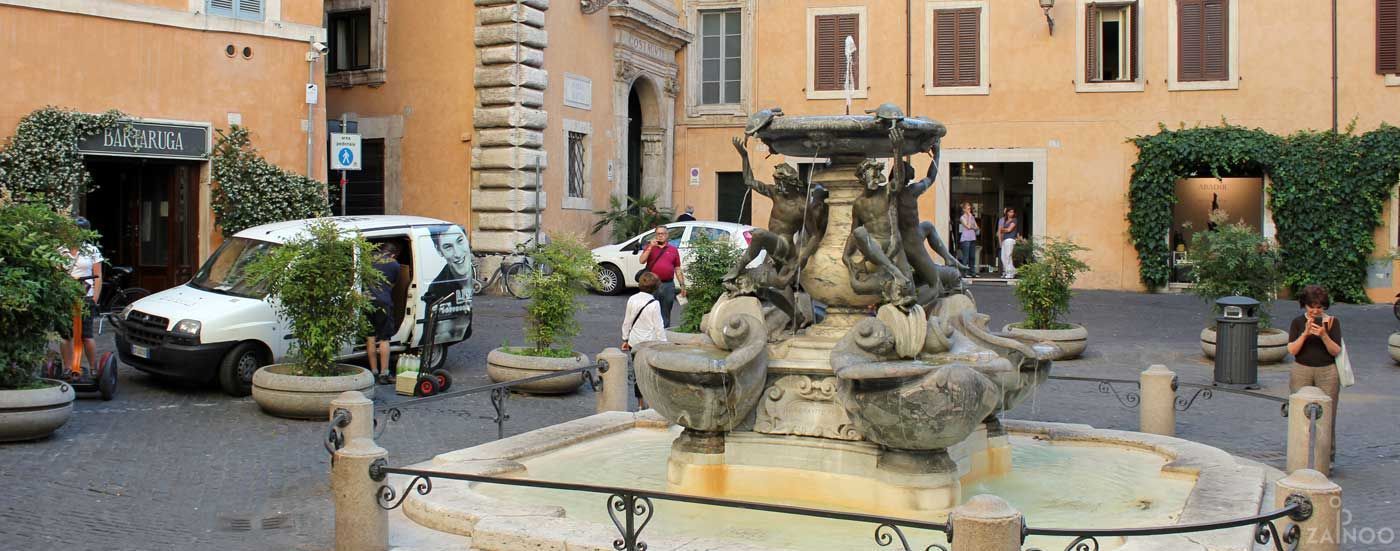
(236, 371)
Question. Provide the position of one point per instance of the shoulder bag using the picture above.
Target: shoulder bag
(1344, 373)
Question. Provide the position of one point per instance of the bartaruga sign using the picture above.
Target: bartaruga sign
(146, 139)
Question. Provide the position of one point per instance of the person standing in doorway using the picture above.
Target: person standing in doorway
(664, 259)
(967, 239)
(688, 215)
(1008, 230)
(642, 323)
(381, 318)
(1315, 340)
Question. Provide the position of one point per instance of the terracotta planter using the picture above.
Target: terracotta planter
(1394, 345)
(1071, 342)
(503, 366)
(34, 413)
(1272, 343)
(278, 392)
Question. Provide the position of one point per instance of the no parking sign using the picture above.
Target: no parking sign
(345, 151)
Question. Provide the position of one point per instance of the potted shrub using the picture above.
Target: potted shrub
(1044, 290)
(1234, 259)
(566, 273)
(708, 260)
(315, 283)
(36, 294)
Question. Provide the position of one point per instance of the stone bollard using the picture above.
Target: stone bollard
(986, 523)
(1157, 411)
(1322, 531)
(616, 391)
(360, 524)
(1298, 426)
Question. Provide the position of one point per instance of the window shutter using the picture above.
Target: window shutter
(945, 48)
(830, 45)
(1133, 41)
(969, 47)
(1091, 43)
(1215, 63)
(1388, 37)
(221, 7)
(250, 9)
(1189, 44)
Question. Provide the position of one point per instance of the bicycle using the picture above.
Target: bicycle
(513, 270)
(116, 295)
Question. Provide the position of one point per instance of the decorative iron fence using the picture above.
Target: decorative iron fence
(1130, 398)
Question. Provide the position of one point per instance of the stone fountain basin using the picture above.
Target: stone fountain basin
(1222, 487)
(846, 135)
(700, 386)
(914, 405)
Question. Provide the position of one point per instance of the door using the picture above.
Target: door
(162, 205)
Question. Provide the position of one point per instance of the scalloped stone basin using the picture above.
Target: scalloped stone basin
(1064, 476)
(847, 135)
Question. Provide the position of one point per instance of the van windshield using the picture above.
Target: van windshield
(225, 271)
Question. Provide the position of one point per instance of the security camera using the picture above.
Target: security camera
(320, 47)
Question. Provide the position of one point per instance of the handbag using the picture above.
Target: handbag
(1344, 373)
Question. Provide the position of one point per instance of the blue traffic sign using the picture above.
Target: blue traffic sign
(347, 157)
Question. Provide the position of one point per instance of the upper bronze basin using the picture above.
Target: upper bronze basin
(847, 136)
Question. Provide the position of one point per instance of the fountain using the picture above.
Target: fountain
(849, 371)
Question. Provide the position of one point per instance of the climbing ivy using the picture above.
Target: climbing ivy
(251, 191)
(1327, 192)
(40, 163)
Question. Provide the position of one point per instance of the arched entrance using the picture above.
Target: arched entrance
(645, 156)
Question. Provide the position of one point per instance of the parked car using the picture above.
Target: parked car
(219, 326)
(618, 265)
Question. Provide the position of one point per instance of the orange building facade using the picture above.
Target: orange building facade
(181, 70)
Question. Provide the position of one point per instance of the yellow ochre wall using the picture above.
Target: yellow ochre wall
(1284, 86)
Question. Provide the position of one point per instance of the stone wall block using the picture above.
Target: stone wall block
(505, 137)
(510, 13)
(510, 96)
(510, 117)
(537, 4)
(513, 158)
(511, 33)
(511, 54)
(511, 76)
(512, 221)
(499, 242)
(506, 200)
(505, 179)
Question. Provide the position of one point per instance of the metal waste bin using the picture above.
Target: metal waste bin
(1237, 342)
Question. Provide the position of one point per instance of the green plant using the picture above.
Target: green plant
(1235, 260)
(319, 280)
(627, 220)
(36, 293)
(566, 272)
(1327, 192)
(40, 163)
(709, 259)
(251, 191)
(1045, 285)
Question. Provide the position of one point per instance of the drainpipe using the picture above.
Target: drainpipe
(909, 56)
(1334, 65)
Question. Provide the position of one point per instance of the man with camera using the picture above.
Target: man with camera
(664, 259)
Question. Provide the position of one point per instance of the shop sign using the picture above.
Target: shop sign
(145, 139)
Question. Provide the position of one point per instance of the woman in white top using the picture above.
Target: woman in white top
(86, 267)
(642, 323)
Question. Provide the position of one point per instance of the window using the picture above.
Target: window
(720, 58)
(577, 163)
(956, 45)
(1203, 40)
(1388, 37)
(829, 30)
(1111, 42)
(242, 9)
(349, 41)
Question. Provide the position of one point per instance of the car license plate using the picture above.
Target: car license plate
(140, 351)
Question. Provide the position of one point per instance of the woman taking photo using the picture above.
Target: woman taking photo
(1315, 340)
(967, 239)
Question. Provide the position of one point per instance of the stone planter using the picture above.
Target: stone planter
(278, 392)
(34, 413)
(1071, 342)
(1394, 345)
(1272, 343)
(503, 366)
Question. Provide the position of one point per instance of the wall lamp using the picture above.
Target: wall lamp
(1046, 6)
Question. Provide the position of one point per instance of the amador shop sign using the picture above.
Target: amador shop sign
(147, 139)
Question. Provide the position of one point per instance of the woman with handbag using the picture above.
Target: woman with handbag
(642, 323)
(1315, 341)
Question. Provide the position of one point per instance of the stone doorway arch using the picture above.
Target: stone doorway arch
(645, 156)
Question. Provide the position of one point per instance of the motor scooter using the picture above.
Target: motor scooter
(101, 378)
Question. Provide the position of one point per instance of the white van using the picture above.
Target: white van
(219, 327)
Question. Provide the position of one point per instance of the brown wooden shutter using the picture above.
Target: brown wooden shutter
(1388, 36)
(1133, 41)
(1189, 40)
(1091, 43)
(957, 47)
(1215, 61)
(830, 45)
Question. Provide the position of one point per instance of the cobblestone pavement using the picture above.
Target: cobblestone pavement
(167, 466)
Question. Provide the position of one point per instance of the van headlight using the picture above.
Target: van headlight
(187, 328)
(126, 312)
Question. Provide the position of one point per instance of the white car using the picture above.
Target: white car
(618, 265)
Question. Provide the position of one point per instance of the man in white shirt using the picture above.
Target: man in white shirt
(642, 323)
(86, 267)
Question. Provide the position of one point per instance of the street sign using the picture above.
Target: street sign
(345, 151)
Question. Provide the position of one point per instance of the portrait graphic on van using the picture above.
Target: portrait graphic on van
(453, 281)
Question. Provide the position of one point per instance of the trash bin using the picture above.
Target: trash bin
(1237, 342)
